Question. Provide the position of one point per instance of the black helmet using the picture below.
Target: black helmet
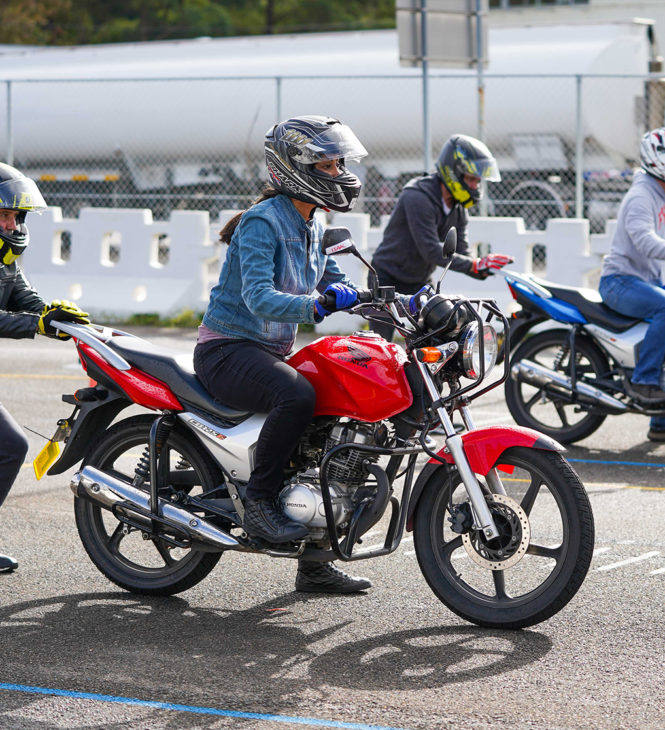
(293, 148)
(17, 192)
(462, 155)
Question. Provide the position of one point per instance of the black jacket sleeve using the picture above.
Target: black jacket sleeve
(20, 304)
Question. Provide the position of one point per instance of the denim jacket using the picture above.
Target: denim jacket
(273, 264)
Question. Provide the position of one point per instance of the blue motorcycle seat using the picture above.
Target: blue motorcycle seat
(175, 369)
(591, 305)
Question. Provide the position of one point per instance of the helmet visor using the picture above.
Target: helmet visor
(338, 141)
(21, 194)
(485, 168)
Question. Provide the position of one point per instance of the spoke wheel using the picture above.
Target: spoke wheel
(530, 571)
(536, 408)
(121, 552)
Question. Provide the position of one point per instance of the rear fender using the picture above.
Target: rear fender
(91, 418)
(483, 448)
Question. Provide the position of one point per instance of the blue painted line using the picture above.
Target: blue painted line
(192, 708)
(616, 463)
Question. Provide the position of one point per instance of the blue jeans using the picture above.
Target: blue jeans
(633, 297)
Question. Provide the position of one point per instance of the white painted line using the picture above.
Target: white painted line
(628, 561)
(657, 572)
(598, 551)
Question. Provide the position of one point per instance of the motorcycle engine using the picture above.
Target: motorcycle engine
(301, 499)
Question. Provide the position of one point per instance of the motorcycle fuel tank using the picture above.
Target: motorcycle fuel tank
(360, 376)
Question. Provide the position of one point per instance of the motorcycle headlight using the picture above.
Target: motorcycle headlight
(470, 349)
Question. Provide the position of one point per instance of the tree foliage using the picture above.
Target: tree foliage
(76, 22)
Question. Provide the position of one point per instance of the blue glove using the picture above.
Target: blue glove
(415, 303)
(337, 296)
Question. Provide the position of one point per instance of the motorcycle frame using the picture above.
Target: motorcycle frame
(159, 395)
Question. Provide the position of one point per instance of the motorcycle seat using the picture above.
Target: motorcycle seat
(176, 369)
(591, 305)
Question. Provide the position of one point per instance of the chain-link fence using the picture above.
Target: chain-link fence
(566, 144)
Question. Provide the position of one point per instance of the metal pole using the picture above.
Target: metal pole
(10, 133)
(479, 67)
(427, 135)
(480, 62)
(579, 150)
(278, 82)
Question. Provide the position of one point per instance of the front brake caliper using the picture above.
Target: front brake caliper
(461, 518)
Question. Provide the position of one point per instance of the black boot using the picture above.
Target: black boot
(7, 564)
(263, 518)
(315, 577)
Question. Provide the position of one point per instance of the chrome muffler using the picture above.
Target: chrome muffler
(527, 371)
(108, 492)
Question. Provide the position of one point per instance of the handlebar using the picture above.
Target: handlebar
(365, 296)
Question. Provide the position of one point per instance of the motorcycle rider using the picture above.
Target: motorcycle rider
(631, 281)
(272, 267)
(427, 208)
(23, 313)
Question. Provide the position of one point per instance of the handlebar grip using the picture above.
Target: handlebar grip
(328, 300)
(364, 296)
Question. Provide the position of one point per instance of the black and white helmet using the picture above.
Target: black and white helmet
(294, 147)
(652, 153)
(19, 193)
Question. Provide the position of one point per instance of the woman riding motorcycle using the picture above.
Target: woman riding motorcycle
(272, 267)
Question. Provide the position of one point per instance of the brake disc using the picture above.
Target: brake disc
(510, 546)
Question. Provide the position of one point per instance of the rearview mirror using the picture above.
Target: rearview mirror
(450, 242)
(336, 241)
(449, 248)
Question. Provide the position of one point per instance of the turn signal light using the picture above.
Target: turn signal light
(428, 354)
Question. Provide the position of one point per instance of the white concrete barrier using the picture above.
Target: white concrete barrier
(114, 268)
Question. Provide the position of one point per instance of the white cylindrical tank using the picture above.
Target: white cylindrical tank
(87, 102)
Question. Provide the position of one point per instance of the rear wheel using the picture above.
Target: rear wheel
(540, 558)
(120, 552)
(535, 407)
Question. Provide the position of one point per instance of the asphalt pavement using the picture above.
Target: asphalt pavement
(243, 650)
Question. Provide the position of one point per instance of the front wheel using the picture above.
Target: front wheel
(540, 558)
(121, 552)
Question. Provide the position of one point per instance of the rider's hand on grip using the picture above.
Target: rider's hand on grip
(335, 297)
(63, 311)
(493, 261)
(417, 300)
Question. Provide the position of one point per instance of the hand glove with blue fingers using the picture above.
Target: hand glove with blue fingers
(416, 301)
(335, 297)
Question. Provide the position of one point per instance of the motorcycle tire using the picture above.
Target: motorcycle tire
(538, 562)
(152, 567)
(536, 408)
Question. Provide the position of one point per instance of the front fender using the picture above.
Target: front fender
(483, 447)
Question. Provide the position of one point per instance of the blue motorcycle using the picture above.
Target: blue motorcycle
(571, 359)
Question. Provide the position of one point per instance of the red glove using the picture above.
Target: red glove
(491, 261)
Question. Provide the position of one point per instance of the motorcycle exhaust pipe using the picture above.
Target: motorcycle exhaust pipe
(530, 372)
(107, 491)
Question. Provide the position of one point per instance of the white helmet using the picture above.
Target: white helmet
(652, 153)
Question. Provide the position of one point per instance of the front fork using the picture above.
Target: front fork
(455, 446)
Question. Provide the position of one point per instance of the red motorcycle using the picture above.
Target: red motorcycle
(502, 526)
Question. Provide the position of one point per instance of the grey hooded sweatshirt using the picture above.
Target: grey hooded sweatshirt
(638, 246)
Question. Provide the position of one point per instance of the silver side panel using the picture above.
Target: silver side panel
(234, 447)
(622, 346)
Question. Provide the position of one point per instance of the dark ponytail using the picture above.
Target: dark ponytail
(227, 232)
